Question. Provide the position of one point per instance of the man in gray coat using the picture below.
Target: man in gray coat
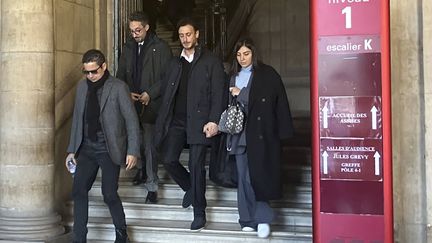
(105, 134)
(141, 63)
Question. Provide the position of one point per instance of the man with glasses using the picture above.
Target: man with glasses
(104, 134)
(141, 63)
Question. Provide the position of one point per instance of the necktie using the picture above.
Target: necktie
(140, 46)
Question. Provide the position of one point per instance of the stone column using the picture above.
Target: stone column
(427, 63)
(409, 110)
(27, 122)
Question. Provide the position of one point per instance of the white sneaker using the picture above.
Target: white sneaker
(248, 229)
(263, 230)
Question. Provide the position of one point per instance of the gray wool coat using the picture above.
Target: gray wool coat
(118, 119)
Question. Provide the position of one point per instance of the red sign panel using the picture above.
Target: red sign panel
(355, 117)
(350, 107)
(348, 17)
(351, 159)
(350, 75)
(351, 228)
(351, 197)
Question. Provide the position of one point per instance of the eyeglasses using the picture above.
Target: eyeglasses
(135, 31)
(91, 71)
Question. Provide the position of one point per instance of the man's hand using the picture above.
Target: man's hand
(144, 98)
(135, 96)
(210, 129)
(130, 161)
(70, 156)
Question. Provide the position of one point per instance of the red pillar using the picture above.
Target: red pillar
(351, 121)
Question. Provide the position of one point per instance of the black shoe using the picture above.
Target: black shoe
(187, 199)
(151, 197)
(121, 236)
(139, 178)
(198, 223)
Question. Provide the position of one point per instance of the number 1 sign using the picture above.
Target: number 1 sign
(344, 17)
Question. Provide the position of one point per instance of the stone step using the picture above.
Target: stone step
(293, 158)
(169, 231)
(216, 211)
(292, 194)
(293, 173)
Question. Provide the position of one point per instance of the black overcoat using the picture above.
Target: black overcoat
(157, 55)
(268, 122)
(206, 83)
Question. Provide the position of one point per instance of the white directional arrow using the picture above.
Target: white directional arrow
(325, 156)
(377, 157)
(374, 117)
(325, 116)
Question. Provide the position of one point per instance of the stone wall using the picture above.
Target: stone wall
(411, 107)
(427, 67)
(280, 29)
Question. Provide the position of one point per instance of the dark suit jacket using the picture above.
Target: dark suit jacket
(117, 116)
(157, 54)
(205, 96)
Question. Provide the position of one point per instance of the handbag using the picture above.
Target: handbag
(222, 166)
(232, 119)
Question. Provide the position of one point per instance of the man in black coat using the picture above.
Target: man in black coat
(192, 103)
(141, 63)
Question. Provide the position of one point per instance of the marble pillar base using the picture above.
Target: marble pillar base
(33, 229)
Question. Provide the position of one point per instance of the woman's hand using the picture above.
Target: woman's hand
(234, 91)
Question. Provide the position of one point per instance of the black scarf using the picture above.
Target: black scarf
(93, 108)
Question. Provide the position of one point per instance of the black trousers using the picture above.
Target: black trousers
(90, 158)
(194, 179)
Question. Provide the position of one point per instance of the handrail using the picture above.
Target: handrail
(237, 24)
(223, 28)
(215, 26)
(121, 14)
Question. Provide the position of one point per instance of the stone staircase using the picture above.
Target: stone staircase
(167, 221)
(164, 28)
(164, 31)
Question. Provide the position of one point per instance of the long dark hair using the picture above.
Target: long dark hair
(247, 42)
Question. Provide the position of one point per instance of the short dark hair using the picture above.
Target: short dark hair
(140, 17)
(247, 42)
(93, 55)
(187, 21)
